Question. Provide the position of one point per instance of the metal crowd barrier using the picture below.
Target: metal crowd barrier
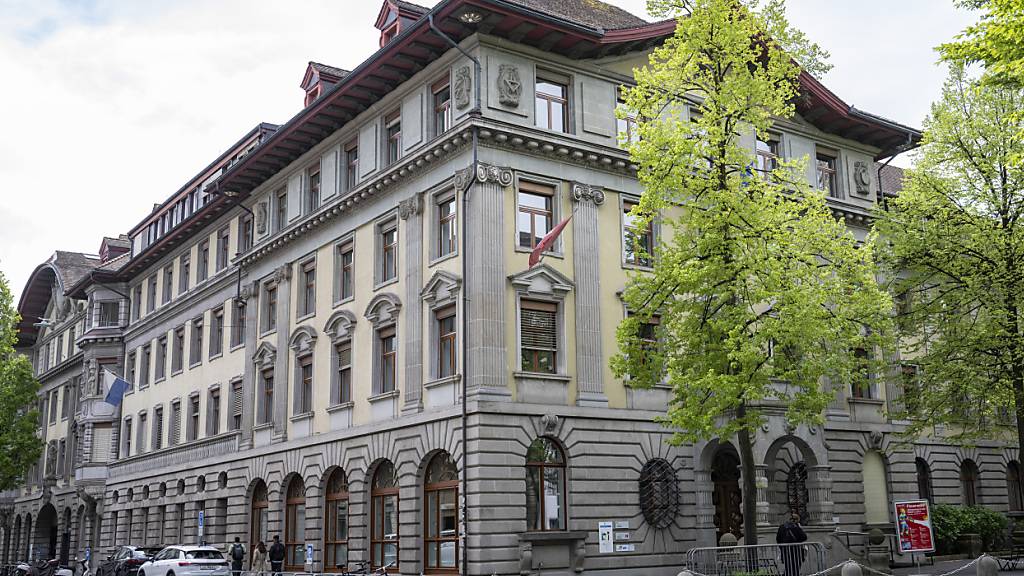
(761, 559)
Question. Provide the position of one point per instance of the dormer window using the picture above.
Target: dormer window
(394, 17)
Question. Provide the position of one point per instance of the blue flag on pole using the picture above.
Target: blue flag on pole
(116, 387)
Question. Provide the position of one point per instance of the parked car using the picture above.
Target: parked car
(125, 560)
(186, 561)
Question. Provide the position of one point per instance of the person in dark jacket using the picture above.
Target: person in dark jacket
(790, 535)
(276, 556)
(236, 553)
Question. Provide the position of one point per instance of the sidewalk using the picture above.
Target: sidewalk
(948, 566)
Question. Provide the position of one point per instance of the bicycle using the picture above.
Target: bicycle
(363, 569)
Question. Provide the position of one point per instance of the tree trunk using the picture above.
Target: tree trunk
(749, 481)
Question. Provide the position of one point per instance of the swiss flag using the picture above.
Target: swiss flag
(547, 241)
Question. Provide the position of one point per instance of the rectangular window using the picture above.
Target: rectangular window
(446, 337)
(126, 437)
(178, 350)
(304, 390)
(161, 359)
(65, 402)
(203, 270)
(313, 188)
(59, 355)
(538, 334)
(144, 359)
(54, 400)
(446, 234)
(62, 455)
(351, 165)
(223, 248)
(238, 324)
(637, 237)
(195, 353)
(767, 151)
(388, 352)
(168, 282)
(268, 319)
(826, 164)
(626, 126)
(442, 96)
(266, 400)
(280, 209)
(552, 104)
(151, 294)
(192, 427)
(388, 252)
(184, 270)
(393, 134)
(109, 312)
(535, 213)
(244, 233)
(140, 430)
(235, 422)
(217, 332)
(307, 298)
(862, 385)
(174, 426)
(158, 428)
(345, 265)
(343, 389)
(136, 302)
(213, 413)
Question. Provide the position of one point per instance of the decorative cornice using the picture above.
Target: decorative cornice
(223, 279)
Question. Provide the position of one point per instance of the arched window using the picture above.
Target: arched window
(336, 522)
(1013, 486)
(295, 525)
(969, 482)
(924, 479)
(384, 510)
(796, 490)
(659, 493)
(441, 493)
(258, 514)
(545, 486)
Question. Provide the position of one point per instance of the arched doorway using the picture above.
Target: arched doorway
(727, 496)
(258, 514)
(46, 532)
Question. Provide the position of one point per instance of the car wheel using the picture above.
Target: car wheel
(170, 573)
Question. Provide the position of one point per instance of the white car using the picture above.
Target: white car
(186, 561)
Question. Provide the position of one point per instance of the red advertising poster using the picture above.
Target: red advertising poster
(914, 526)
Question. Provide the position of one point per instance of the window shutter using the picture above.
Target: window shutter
(538, 329)
(158, 428)
(175, 426)
(236, 399)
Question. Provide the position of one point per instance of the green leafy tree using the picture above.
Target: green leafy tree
(761, 296)
(956, 246)
(20, 447)
(996, 40)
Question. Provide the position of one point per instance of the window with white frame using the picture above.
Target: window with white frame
(446, 224)
(447, 337)
(538, 335)
(223, 248)
(192, 425)
(344, 265)
(160, 368)
(280, 209)
(213, 412)
(392, 137)
(266, 397)
(307, 294)
(151, 294)
(178, 350)
(387, 240)
(268, 312)
(195, 355)
(342, 392)
(312, 188)
(637, 235)
(216, 331)
(552, 102)
(144, 361)
(442, 103)
(184, 270)
(351, 165)
(826, 167)
(535, 213)
(203, 264)
(168, 282)
(304, 385)
(238, 324)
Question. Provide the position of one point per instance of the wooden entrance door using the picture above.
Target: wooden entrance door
(727, 497)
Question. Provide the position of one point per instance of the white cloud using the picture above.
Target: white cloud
(110, 106)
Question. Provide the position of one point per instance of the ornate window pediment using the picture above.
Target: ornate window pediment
(383, 309)
(541, 280)
(302, 340)
(265, 356)
(340, 325)
(442, 289)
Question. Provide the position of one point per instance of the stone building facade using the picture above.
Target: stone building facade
(333, 334)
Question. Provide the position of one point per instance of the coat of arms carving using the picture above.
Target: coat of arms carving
(509, 86)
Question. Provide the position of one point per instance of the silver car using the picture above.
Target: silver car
(186, 561)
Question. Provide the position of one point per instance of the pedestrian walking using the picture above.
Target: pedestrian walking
(237, 555)
(276, 556)
(259, 558)
(790, 534)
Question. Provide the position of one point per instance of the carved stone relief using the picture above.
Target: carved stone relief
(410, 207)
(484, 173)
(510, 87)
(261, 218)
(862, 177)
(581, 192)
(462, 87)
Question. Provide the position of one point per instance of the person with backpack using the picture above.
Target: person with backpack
(276, 556)
(237, 555)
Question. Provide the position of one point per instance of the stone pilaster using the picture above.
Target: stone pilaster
(249, 295)
(705, 508)
(589, 362)
(819, 486)
(410, 211)
(282, 376)
(486, 281)
(763, 503)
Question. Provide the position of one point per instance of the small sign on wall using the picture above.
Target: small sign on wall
(622, 535)
(604, 537)
(625, 548)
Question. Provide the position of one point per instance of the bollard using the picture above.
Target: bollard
(988, 566)
(851, 568)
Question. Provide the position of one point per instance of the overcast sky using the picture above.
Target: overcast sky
(110, 106)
